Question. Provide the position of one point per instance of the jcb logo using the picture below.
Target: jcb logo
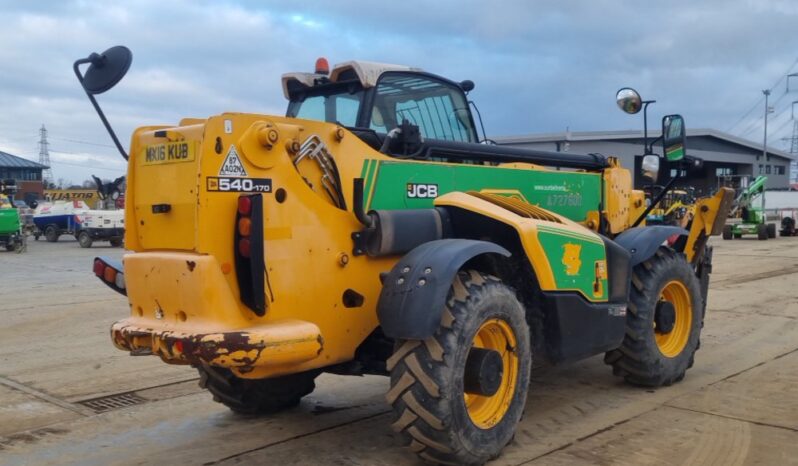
(426, 191)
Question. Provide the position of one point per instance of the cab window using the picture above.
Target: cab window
(335, 107)
(438, 108)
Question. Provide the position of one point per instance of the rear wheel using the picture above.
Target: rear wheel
(84, 239)
(458, 395)
(771, 230)
(762, 231)
(663, 322)
(727, 232)
(256, 396)
(51, 233)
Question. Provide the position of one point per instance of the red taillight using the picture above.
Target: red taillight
(109, 275)
(99, 268)
(243, 247)
(179, 346)
(322, 66)
(244, 205)
(244, 226)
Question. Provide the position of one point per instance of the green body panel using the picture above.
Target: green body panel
(589, 250)
(389, 186)
(9, 221)
(574, 258)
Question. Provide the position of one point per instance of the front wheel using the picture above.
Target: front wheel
(458, 395)
(84, 239)
(727, 232)
(663, 322)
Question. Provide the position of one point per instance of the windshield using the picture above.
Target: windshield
(439, 109)
(337, 105)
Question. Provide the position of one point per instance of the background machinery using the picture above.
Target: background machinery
(749, 211)
(368, 231)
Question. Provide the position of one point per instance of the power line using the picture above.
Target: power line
(90, 167)
(759, 100)
(88, 143)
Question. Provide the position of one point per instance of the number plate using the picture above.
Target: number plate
(170, 152)
(239, 185)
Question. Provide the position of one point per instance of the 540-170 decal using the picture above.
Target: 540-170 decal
(239, 185)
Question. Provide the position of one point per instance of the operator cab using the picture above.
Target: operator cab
(373, 99)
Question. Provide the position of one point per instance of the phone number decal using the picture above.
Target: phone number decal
(239, 185)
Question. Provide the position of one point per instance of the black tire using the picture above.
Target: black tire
(427, 377)
(115, 242)
(639, 360)
(51, 233)
(727, 232)
(9, 246)
(762, 231)
(771, 230)
(84, 239)
(256, 396)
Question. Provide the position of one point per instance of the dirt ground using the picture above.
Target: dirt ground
(737, 406)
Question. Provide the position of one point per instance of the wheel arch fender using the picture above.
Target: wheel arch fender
(643, 242)
(414, 292)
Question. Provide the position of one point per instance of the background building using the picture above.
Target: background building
(26, 174)
(723, 154)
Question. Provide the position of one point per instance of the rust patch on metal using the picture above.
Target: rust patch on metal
(191, 265)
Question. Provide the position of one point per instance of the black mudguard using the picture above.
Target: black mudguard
(414, 291)
(643, 242)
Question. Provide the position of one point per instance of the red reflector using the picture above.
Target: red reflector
(109, 275)
(244, 205)
(243, 247)
(99, 268)
(244, 226)
(322, 66)
(179, 346)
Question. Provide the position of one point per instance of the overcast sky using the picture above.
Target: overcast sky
(539, 66)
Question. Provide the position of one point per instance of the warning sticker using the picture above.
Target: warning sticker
(232, 164)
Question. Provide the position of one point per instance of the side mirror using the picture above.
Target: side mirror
(629, 100)
(650, 167)
(673, 137)
(105, 70)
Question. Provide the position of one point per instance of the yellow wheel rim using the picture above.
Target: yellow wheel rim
(672, 343)
(486, 411)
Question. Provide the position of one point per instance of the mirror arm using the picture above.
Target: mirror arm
(650, 148)
(92, 59)
(647, 148)
(656, 200)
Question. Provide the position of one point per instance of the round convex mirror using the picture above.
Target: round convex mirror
(107, 69)
(629, 100)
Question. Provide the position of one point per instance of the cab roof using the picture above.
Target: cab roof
(364, 71)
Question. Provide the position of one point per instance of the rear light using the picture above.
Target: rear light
(120, 281)
(99, 268)
(244, 205)
(250, 263)
(111, 273)
(244, 226)
(179, 346)
(244, 247)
